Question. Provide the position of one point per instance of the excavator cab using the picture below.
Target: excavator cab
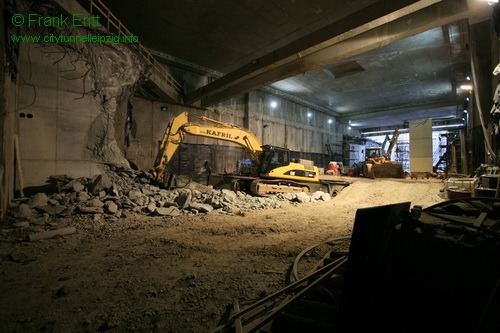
(272, 158)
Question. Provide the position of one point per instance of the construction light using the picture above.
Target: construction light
(490, 2)
(467, 87)
(447, 126)
(274, 104)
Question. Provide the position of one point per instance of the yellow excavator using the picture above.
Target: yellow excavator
(273, 171)
(378, 166)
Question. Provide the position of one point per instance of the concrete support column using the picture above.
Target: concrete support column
(7, 126)
(481, 36)
(421, 146)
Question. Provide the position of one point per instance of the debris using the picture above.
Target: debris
(101, 183)
(111, 207)
(302, 197)
(21, 225)
(20, 257)
(39, 199)
(51, 233)
(123, 189)
(23, 211)
(168, 211)
(204, 208)
(320, 195)
(184, 198)
(91, 210)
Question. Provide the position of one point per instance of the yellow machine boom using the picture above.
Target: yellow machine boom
(180, 126)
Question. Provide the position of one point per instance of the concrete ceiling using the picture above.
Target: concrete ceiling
(373, 63)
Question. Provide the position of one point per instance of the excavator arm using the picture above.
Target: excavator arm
(275, 171)
(392, 143)
(180, 126)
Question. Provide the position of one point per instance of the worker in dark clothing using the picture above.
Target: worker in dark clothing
(208, 171)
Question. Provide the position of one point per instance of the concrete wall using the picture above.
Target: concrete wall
(53, 114)
(287, 125)
(63, 98)
(64, 107)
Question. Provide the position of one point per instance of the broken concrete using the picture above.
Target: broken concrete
(122, 189)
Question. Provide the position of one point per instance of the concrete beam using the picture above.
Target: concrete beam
(299, 100)
(368, 18)
(402, 129)
(399, 110)
(72, 7)
(159, 82)
(480, 11)
(413, 23)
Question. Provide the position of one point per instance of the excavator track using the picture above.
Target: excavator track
(262, 187)
(268, 187)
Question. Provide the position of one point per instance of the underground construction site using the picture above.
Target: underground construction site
(263, 166)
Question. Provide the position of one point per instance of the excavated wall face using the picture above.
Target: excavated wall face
(66, 100)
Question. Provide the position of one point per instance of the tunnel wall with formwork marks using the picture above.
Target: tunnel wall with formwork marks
(286, 127)
(65, 111)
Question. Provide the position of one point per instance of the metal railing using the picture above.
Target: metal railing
(113, 23)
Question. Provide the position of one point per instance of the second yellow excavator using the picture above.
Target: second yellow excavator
(273, 170)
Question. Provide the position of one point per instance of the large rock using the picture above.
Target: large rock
(95, 202)
(151, 208)
(168, 211)
(183, 200)
(23, 211)
(91, 210)
(101, 183)
(83, 196)
(38, 200)
(229, 196)
(52, 210)
(301, 197)
(135, 195)
(203, 208)
(320, 195)
(111, 207)
(77, 186)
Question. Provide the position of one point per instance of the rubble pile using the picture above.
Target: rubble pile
(121, 190)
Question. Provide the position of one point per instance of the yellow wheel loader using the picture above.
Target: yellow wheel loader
(378, 166)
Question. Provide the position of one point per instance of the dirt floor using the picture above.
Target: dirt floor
(153, 274)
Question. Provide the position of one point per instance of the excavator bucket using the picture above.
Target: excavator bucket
(387, 170)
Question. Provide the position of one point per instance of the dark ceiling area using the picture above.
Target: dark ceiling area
(373, 64)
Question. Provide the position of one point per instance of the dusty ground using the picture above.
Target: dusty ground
(152, 274)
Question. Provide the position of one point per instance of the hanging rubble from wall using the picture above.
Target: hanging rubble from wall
(107, 71)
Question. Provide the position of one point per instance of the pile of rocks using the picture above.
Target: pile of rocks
(120, 190)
